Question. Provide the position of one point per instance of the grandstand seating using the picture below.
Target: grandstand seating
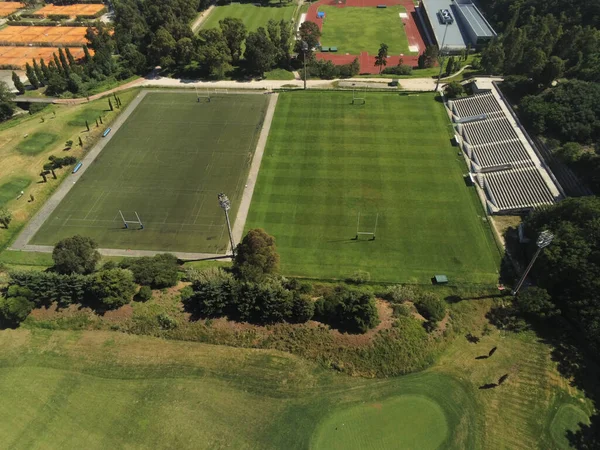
(504, 164)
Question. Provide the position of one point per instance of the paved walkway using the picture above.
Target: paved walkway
(242, 215)
(32, 227)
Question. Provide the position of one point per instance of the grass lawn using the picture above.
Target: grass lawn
(279, 74)
(326, 161)
(27, 141)
(167, 162)
(96, 389)
(354, 30)
(252, 16)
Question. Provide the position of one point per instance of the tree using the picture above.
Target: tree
(450, 66)
(381, 58)
(234, 32)
(19, 86)
(45, 71)
(537, 303)
(213, 53)
(159, 271)
(31, 76)
(553, 70)
(310, 33)
(77, 254)
(184, 51)
(303, 308)
(492, 58)
(431, 307)
(428, 58)
(7, 106)
(63, 61)
(261, 53)
(113, 288)
(56, 84)
(454, 89)
(285, 39)
(162, 48)
(256, 256)
(5, 217)
(70, 59)
(38, 73)
(132, 59)
(87, 58)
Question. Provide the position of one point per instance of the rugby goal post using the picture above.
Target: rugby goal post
(203, 95)
(137, 220)
(370, 233)
(358, 97)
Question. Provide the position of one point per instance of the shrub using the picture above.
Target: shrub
(144, 294)
(262, 303)
(113, 288)
(348, 310)
(166, 322)
(399, 294)
(14, 310)
(303, 308)
(359, 277)
(431, 307)
(159, 271)
(454, 89)
(400, 69)
(401, 311)
(48, 287)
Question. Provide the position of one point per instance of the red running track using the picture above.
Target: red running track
(367, 62)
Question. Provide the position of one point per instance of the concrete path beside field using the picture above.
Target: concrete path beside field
(242, 215)
(201, 18)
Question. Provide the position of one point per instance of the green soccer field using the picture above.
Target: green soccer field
(355, 30)
(167, 162)
(326, 161)
(252, 16)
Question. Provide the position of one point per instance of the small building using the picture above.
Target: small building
(459, 20)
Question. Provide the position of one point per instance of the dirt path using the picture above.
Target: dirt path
(201, 18)
(32, 227)
(242, 215)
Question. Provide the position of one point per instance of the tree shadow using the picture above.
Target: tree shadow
(488, 386)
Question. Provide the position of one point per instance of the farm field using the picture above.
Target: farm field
(167, 162)
(354, 30)
(252, 16)
(72, 389)
(390, 160)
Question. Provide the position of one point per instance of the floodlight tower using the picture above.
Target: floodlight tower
(305, 50)
(543, 241)
(225, 205)
(441, 59)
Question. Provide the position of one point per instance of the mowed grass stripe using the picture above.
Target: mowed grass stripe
(168, 162)
(327, 160)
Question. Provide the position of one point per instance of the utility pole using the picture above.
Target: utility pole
(304, 50)
(226, 206)
(543, 241)
(441, 58)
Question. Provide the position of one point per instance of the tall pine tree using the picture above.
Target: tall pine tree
(45, 70)
(38, 72)
(31, 76)
(70, 57)
(57, 64)
(86, 54)
(63, 61)
(18, 83)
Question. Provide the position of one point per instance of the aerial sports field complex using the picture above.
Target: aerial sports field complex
(343, 185)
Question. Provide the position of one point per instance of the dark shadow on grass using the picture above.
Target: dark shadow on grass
(482, 357)
(488, 386)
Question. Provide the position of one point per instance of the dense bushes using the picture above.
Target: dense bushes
(256, 256)
(77, 254)
(348, 310)
(16, 306)
(326, 70)
(48, 287)
(431, 307)
(112, 288)
(159, 271)
(400, 69)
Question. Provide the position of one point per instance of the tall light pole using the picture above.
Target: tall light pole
(543, 241)
(441, 59)
(304, 50)
(225, 205)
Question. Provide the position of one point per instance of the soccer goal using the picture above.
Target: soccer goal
(137, 221)
(366, 231)
(203, 95)
(358, 97)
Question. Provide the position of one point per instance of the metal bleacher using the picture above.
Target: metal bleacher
(501, 159)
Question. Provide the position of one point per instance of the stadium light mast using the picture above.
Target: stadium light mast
(543, 241)
(437, 84)
(225, 205)
(304, 50)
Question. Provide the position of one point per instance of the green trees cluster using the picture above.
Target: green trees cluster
(56, 163)
(569, 269)
(157, 272)
(347, 309)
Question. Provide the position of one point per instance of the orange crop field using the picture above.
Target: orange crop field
(7, 8)
(18, 56)
(58, 36)
(71, 10)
